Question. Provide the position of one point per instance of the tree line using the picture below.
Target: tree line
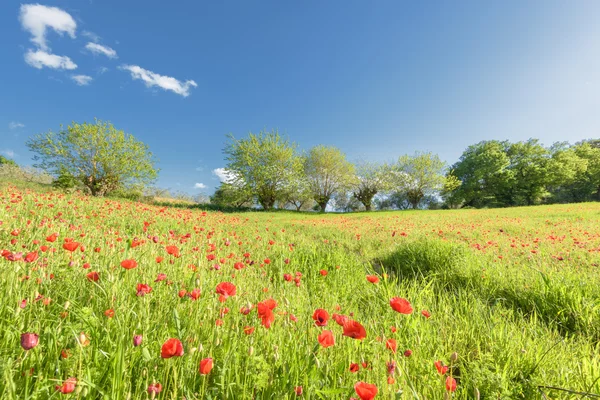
(266, 170)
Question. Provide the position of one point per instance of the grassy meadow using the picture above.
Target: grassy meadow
(507, 300)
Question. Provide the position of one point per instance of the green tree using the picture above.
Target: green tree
(372, 178)
(265, 164)
(590, 180)
(419, 176)
(328, 173)
(484, 175)
(101, 157)
(531, 166)
(229, 195)
(7, 161)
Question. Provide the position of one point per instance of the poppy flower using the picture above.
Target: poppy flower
(354, 330)
(298, 390)
(171, 348)
(340, 319)
(172, 250)
(248, 330)
(160, 277)
(323, 272)
(407, 353)
(365, 391)
(67, 387)
(265, 313)
(391, 367)
(238, 265)
(441, 368)
(29, 340)
(93, 276)
(401, 305)
(326, 339)
(206, 366)
(391, 344)
(52, 238)
(225, 290)
(321, 317)
(450, 384)
(70, 246)
(31, 257)
(154, 388)
(143, 289)
(137, 340)
(110, 313)
(128, 264)
(354, 367)
(373, 278)
(426, 314)
(288, 277)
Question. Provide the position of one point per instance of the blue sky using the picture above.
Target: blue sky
(376, 79)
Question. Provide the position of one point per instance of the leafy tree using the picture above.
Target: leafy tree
(299, 195)
(7, 161)
(65, 181)
(419, 176)
(328, 173)
(372, 178)
(484, 175)
(101, 157)
(265, 164)
(229, 195)
(590, 180)
(531, 168)
(346, 202)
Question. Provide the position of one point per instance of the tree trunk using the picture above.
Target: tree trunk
(368, 206)
(323, 205)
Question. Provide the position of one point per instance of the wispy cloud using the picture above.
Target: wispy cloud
(96, 48)
(40, 59)
(91, 35)
(36, 19)
(15, 125)
(8, 153)
(200, 186)
(223, 174)
(164, 82)
(82, 80)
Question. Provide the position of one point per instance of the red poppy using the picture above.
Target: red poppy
(29, 340)
(441, 368)
(128, 264)
(265, 313)
(426, 314)
(206, 366)
(323, 272)
(67, 387)
(110, 313)
(450, 384)
(354, 367)
(238, 265)
(288, 277)
(401, 305)
(52, 238)
(225, 289)
(171, 348)
(93, 276)
(326, 339)
(354, 330)
(143, 289)
(298, 390)
(373, 278)
(340, 319)
(407, 353)
(70, 246)
(172, 250)
(195, 294)
(31, 257)
(365, 391)
(248, 330)
(391, 344)
(321, 317)
(161, 277)
(154, 388)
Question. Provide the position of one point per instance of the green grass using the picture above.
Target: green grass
(514, 292)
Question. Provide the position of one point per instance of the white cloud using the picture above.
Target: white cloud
(15, 125)
(82, 80)
(40, 59)
(199, 186)
(224, 175)
(100, 49)
(164, 82)
(8, 153)
(102, 70)
(36, 19)
(91, 35)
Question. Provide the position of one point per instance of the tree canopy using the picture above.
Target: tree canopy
(328, 173)
(264, 164)
(419, 176)
(101, 157)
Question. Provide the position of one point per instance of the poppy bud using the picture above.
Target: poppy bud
(67, 304)
(137, 340)
(454, 357)
(298, 390)
(251, 350)
(29, 340)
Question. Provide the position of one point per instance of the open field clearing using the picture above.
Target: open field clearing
(126, 300)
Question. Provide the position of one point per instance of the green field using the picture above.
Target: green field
(514, 293)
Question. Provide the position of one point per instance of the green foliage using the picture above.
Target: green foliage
(229, 195)
(101, 157)
(7, 161)
(264, 164)
(419, 176)
(372, 178)
(65, 181)
(328, 173)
